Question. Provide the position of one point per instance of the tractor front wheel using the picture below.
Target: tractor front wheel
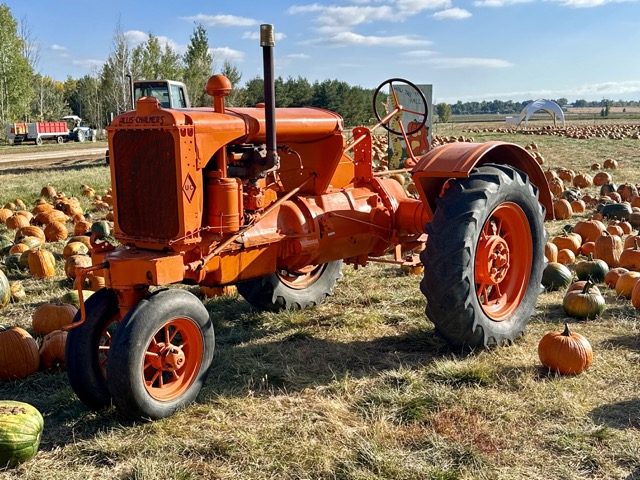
(87, 349)
(484, 257)
(292, 290)
(161, 356)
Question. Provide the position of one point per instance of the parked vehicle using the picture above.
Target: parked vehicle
(37, 132)
(274, 201)
(77, 131)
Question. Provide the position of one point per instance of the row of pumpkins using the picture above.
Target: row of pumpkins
(582, 132)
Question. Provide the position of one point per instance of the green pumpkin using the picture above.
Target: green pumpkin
(102, 227)
(556, 276)
(584, 303)
(12, 262)
(5, 290)
(72, 297)
(5, 245)
(20, 432)
(617, 210)
(592, 269)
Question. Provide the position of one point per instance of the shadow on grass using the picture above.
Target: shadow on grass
(621, 415)
(630, 342)
(254, 355)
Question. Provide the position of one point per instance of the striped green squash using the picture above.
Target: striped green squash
(20, 431)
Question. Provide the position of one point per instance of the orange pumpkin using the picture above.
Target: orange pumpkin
(4, 214)
(76, 261)
(81, 227)
(18, 353)
(630, 257)
(626, 282)
(55, 231)
(30, 231)
(16, 222)
(42, 263)
(608, 248)
(566, 256)
(589, 230)
(52, 350)
(562, 209)
(52, 316)
(565, 352)
(612, 276)
(551, 252)
(569, 241)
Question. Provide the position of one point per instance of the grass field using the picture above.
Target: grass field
(360, 387)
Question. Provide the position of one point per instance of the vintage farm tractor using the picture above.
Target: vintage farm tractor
(274, 201)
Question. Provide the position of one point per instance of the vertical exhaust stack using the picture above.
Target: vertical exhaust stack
(267, 42)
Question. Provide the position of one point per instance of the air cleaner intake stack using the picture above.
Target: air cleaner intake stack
(267, 42)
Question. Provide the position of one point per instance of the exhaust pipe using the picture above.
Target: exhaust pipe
(267, 42)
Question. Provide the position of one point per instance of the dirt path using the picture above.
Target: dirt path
(38, 160)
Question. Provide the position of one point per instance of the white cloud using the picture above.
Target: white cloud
(452, 14)
(88, 63)
(344, 39)
(136, 37)
(222, 20)
(298, 56)
(498, 3)
(591, 91)
(588, 3)
(418, 54)
(59, 48)
(256, 36)
(336, 19)
(226, 53)
(467, 62)
(413, 7)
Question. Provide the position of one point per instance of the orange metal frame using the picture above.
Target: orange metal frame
(323, 203)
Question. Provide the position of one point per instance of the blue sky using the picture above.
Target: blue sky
(468, 49)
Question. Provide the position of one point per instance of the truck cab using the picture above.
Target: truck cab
(170, 94)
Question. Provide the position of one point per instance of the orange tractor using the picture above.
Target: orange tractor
(275, 202)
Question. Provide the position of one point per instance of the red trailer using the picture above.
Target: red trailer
(37, 132)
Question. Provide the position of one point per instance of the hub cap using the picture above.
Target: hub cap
(173, 359)
(504, 256)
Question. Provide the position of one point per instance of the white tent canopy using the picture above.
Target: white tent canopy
(549, 106)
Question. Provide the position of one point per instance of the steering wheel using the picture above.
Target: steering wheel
(421, 110)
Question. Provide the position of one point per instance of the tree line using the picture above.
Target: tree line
(27, 95)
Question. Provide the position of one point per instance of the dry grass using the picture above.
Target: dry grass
(361, 387)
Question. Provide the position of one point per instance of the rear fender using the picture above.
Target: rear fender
(456, 160)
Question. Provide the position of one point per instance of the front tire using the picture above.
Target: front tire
(161, 356)
(484, 257)
(285, 290)
(88, 346)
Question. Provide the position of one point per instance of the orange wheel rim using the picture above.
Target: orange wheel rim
(300, 279)
(504, 256)
(173, 359)
(104, 342)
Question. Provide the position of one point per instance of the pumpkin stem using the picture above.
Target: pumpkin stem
(587, 286)
(567, 332)
(635, 243)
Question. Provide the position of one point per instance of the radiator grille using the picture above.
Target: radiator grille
(146, 184)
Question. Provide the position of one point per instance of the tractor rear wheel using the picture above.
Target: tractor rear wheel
(289, 290)
(484, 257)
(87, 349)
(161, 356)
